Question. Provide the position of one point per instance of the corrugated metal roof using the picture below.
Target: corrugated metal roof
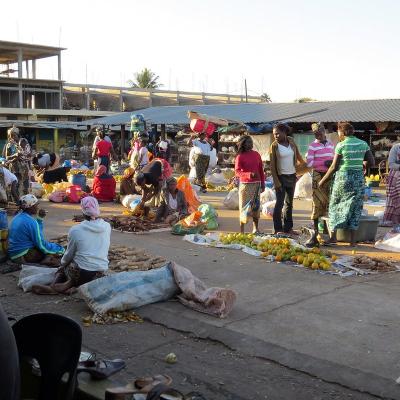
(328, 111)
(42, 124)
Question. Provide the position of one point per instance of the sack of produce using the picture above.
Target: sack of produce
(137, 123)
(216, 179)
(74, 194)
(209, 216)
(303, 188)
(184, 185)
(37, 189)
(58, 196)
(128, 199)
(231, 201)
(267, 195)
(268, 208)
(180, 229)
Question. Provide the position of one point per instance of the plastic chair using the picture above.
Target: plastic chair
(55, 342)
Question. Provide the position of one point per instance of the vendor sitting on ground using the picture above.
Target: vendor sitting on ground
(8, 181)
(86, 257)
(26, 242)
(103, 185)
(173, 206)
(127, 185)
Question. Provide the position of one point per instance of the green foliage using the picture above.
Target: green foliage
(145, 79)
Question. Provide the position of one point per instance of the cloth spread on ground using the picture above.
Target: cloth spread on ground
(320, 195)
(88, 245)
(346, 200)
(26, 233)
(127, 290)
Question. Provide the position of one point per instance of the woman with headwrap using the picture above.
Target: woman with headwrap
(127, 185)
(86, 257)
(103, 185)
(152, 178)
(250, 171)
(201, 159)
(319, 157)
(173, 206)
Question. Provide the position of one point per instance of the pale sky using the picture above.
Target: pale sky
(324, 49)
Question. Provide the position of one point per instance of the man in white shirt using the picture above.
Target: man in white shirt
(8, 180)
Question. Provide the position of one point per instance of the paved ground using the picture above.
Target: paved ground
(293, 334)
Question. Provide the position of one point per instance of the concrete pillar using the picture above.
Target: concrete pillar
(33, 69)
(87, 96)
(121, 101)
(27, 68)
(60, 105)
(122, 140)
(55, 140)
(59, 65)
(20, 63)
(20, 96)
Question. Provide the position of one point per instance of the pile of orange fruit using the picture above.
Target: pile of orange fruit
(282, 250)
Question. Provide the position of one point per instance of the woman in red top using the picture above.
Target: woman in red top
(250, 171)
(103, 150)
(103, 185)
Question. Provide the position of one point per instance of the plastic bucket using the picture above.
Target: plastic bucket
(3, 220)
(79, 180)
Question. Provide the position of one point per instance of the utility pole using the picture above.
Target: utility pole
(245, 88)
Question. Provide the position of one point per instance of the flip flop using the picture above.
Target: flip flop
(101, 369)
(141, 385)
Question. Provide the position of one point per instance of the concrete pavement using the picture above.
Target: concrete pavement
(320, 328)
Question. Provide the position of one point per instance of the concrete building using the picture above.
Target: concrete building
(49, 112)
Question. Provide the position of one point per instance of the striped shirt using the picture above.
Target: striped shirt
(318, 153)
(353, 152)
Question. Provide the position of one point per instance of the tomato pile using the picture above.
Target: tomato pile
(282, 250)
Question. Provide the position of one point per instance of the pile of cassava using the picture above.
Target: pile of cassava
(124, 258)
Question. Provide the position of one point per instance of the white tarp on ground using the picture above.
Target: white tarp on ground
(390, 242)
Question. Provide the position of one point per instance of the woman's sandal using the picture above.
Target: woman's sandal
(163, 392)
(139, 385)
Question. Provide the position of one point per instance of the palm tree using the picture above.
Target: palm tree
(265, 98)
(145, 79)
(304, 100)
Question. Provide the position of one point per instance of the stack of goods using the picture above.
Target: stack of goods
(124, 258)
(374, 264)
(130, 259)
(128, 223)
(373, 180)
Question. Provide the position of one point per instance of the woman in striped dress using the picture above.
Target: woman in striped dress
(346, 200)
(392, 210)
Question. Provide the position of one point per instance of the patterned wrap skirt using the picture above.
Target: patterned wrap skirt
(79, 276)
(392, 210)
(320, 196)
(346, 200)
(249, 200)
(201, 163)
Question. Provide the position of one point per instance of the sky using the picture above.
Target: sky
(323, 49)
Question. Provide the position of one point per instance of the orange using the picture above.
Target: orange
(316, 250)
(300, 259)
(334, 258)
(293, 258)
(314, 265)
(278, 258)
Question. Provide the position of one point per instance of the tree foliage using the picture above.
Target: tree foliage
(145, 79)
(304, 100)
(265, 98)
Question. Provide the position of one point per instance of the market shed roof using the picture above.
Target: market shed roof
(324, 111)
